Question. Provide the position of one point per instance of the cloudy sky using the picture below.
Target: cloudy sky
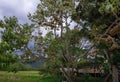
(18, 8)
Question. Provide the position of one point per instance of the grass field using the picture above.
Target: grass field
(26, 76)
(34, 76)
(21, 76)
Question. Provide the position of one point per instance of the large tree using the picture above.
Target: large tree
(61, 50)
(102, 17)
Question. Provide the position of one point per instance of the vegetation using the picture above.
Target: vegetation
(103, 23)
(21, 76)
(81, 34)
(33, 76)
(14, 37)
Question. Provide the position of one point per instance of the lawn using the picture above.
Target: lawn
(21, 76)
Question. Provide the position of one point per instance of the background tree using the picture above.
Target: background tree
(14, 37)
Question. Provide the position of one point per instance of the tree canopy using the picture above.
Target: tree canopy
(14, 37)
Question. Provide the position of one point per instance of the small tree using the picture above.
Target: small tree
(15, 36)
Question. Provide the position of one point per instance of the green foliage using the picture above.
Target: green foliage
(111, 6)
(100, 17)
(51, 79)
(15, 36)
(90, 79)
(92, 13)
(116, 56)
(18, 66)
(103, 45)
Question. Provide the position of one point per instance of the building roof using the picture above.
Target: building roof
(89, 70)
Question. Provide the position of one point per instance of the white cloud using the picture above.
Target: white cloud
(18, 8)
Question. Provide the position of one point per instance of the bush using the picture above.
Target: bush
(18, 67)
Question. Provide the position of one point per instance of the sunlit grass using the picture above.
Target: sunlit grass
(27, 76)
(21, 76)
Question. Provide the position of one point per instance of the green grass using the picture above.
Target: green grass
(27, 76)
(36, 76)
(51, 79)
(21, 76)
(91, 79)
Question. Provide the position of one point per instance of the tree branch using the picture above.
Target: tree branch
(86, 53)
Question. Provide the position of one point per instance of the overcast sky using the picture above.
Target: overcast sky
(18, 8)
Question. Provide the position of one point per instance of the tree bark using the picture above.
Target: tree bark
(115, 74)
(66, 74)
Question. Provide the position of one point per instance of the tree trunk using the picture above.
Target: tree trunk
(115, 74)
(55, 32)
(67, 75)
